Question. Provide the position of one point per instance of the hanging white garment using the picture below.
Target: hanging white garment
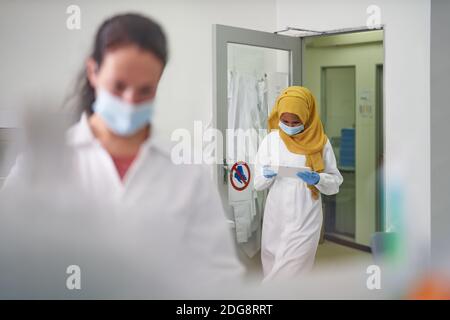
(245, 112)
(276, 82)
(292, 218)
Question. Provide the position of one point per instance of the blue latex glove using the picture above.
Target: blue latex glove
(268, 173)
(311, 178)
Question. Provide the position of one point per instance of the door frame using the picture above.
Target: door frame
(380, 192)
(380, 151)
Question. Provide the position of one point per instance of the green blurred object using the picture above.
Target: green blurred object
(384, 245)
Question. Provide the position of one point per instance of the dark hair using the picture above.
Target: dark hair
(120, 30)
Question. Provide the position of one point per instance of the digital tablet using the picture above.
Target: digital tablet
(291, 172)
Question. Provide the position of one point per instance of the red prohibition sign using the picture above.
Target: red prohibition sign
(239, 175)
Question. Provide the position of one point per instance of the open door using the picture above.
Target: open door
(250, 69)
(343, 69)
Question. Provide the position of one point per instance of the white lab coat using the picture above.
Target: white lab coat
(292, 218)
(181, 197)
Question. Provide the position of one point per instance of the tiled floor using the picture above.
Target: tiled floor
(327, 253)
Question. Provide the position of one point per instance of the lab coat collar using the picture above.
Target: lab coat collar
(81, 135)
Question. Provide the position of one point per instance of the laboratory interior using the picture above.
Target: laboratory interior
(375, 69)
(344, 70)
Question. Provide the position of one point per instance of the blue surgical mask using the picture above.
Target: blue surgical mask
(122, 118)
(290, 131)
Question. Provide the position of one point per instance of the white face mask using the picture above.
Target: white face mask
(290, 131)
(122, 118)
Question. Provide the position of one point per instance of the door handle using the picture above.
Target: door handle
(225, 171)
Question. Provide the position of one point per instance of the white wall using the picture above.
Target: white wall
(40, 57)
(407, 92)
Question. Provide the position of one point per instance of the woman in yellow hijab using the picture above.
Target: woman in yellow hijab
(293, 209)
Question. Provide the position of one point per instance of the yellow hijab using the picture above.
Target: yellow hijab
(310, 142)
